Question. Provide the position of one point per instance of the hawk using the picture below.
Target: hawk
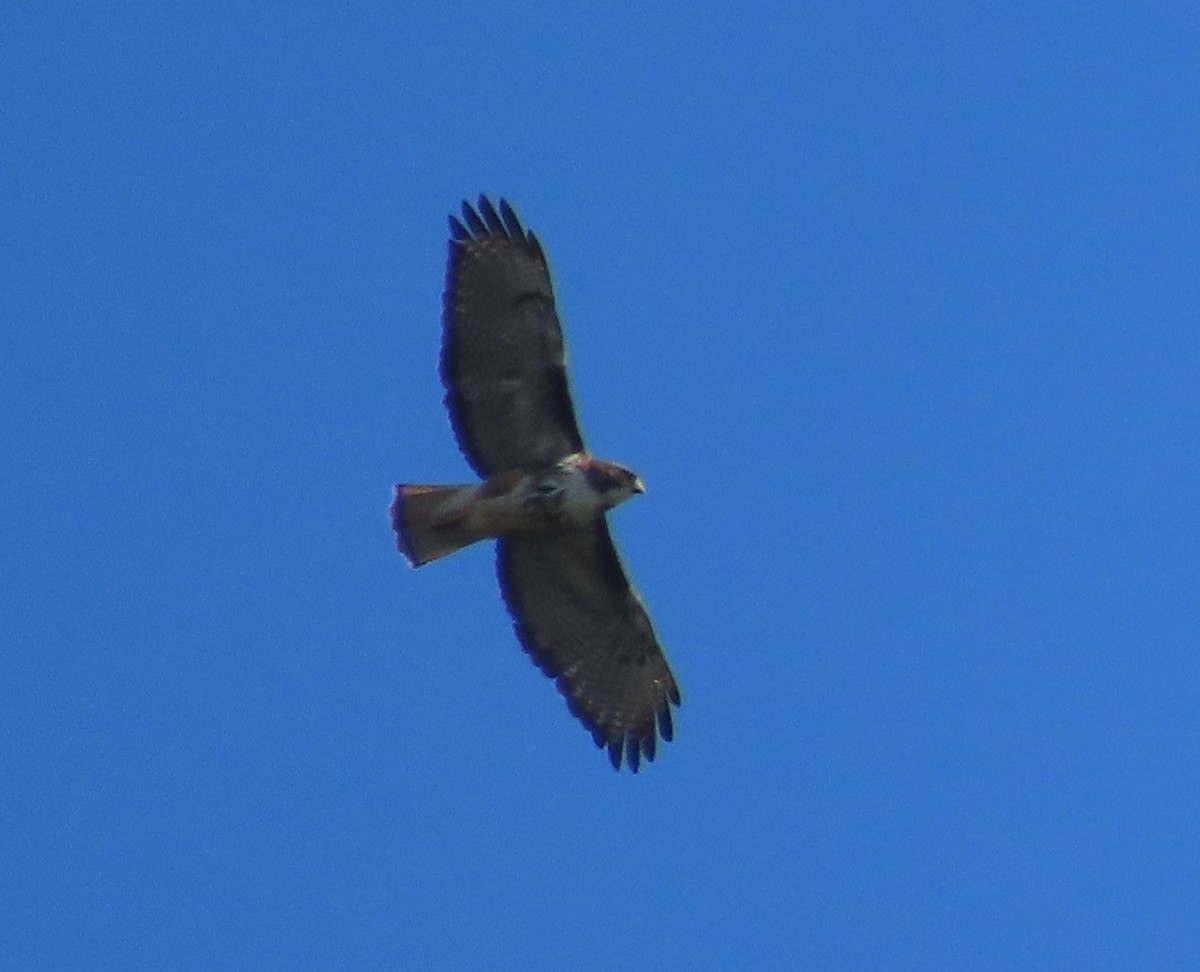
(543, 497)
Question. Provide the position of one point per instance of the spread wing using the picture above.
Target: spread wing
(580, 621)
(503, 364)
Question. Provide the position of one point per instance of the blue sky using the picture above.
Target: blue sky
(893, 307)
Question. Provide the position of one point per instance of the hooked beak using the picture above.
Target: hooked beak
(638, 485)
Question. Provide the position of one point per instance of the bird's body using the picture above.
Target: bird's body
(543, 497)
(433, 521)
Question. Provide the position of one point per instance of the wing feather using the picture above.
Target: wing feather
(503, 362)
(583, 625)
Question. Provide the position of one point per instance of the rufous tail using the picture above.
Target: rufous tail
(428, 523)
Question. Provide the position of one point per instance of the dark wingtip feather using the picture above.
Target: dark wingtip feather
(511, 222)
(650, 746)
(458, 232)
(666, 727)
(490, 218)
(633, 753)
(474, 223)
(614, 752)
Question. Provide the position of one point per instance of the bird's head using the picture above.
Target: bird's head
(613, 482)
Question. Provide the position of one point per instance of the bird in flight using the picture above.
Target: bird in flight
(543, 497)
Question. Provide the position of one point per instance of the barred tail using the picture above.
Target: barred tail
(428, 524)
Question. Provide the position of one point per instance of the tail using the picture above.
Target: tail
(429, 523)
